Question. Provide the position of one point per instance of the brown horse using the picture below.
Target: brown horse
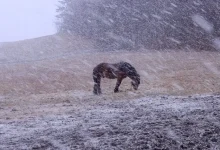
(119, 70)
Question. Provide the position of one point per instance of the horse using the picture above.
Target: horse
(117, 71)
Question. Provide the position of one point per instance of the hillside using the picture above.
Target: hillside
(51, 46)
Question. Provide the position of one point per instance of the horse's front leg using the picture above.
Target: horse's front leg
(118, 83)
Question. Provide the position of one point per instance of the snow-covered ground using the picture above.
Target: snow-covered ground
(152, 122)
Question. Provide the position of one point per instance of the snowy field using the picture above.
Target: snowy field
(152, 122)
(46, 100)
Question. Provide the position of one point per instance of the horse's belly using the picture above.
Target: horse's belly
(109, 75)
(112, 77)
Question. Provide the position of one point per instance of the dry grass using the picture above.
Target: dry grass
(174, 73)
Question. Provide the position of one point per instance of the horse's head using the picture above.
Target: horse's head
(135, 81)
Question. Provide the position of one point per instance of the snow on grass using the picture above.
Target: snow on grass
(153, 122)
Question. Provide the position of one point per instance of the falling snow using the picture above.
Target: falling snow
(46, 90)
(203, 23)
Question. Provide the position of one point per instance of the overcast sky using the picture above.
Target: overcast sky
(24, 19)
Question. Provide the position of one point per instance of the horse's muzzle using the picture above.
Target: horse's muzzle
(135, 86)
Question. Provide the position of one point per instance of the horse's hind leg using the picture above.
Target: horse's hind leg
(118, 83)
(97, 88)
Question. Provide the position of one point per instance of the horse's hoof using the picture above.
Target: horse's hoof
(97, 93)
(116, 91)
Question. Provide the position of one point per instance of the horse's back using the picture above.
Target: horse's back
(108, 68)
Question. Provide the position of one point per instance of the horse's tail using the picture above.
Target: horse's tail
(97, 81)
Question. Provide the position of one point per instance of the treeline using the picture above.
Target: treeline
(152, 24)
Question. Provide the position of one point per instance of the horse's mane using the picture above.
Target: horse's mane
(128, 68)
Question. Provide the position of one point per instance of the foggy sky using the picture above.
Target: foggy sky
(24, 19)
